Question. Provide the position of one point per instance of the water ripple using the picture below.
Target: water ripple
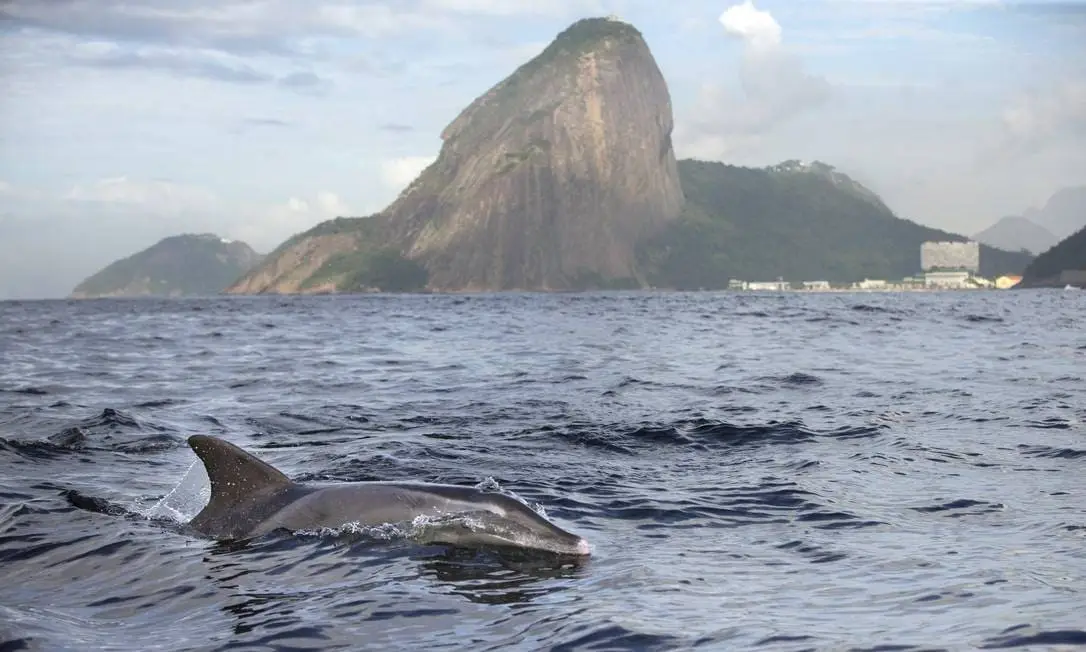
(794, 471)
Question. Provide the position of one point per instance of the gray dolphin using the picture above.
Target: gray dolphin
(250, 498)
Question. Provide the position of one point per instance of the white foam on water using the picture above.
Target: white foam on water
(490, 484)
(187, 497)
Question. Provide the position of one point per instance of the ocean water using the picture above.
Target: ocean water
(753, 471)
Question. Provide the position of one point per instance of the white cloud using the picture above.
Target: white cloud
(756, 27)
(399, 172)
(774, 87)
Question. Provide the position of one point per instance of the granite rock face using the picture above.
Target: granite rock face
(546, 182)
(549, 180)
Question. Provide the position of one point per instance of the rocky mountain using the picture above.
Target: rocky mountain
(795, 221)
(548, 181)
(190, 264)
(562, 177)
(1062, 265)
(1016, 232)
(1064, 213)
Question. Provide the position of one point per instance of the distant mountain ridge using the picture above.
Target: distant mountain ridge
(1015, 232)
(799, 222)
(182, 265)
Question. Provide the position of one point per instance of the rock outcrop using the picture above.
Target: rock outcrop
(547, 182)
(182, 265)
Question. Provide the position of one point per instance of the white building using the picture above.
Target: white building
(816, 285)
(869, 284)
(778, 286)
(941, 256)
(956, 279)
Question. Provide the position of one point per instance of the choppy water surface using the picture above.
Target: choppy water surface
(754, 471)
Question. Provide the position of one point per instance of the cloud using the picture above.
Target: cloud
(399, 172)
(396, 128)
(265, 227)
(277, 27)
(503, 7)
(181, 63)
(176, 207)
(774, 87)
(265, 122)
(187, 62)
(162, 195)
(757, 28)
(1039, 119)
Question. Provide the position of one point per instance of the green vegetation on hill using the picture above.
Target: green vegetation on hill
(371, 268)
(328, 227)
(182, 265)
(791, 221)
(1068, 254)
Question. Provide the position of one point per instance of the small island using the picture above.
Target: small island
(182, 265)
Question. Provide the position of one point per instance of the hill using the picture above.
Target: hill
(1015, 232)
(181, 265)
(546, 182)
(1064, 213)
(1063, 264)
(793, 220)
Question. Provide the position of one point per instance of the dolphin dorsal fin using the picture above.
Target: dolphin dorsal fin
(234, 474)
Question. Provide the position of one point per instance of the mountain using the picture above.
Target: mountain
(794, 220)
(1063, 264)
(563, 177)
(180, 265)
(1016, 232)
(1064, 213)
(546, 182)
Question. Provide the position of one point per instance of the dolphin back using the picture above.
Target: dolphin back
(237, 478)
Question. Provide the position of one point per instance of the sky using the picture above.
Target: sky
(126, 121)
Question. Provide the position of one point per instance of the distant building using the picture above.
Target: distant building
(869, 284)
(778, 286)
(1007, 282)
(816, 285)
(950, 256)
(948, 279)
(736, 284)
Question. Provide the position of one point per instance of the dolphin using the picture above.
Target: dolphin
(250, 498)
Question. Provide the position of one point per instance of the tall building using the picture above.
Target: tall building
(950, 256)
